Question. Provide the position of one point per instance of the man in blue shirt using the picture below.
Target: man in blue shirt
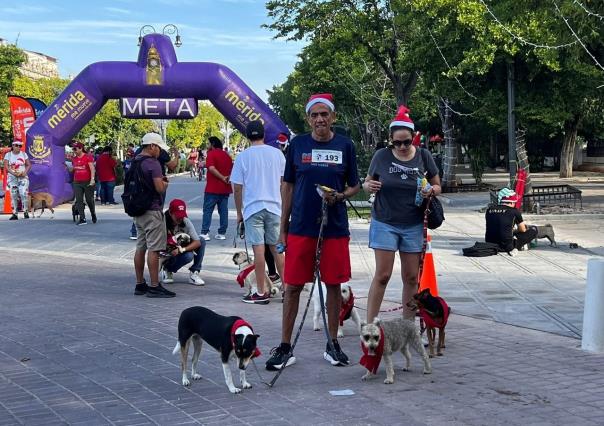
(319, 158)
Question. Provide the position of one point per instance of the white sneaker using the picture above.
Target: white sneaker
(166, 277)
(206, 237)
(514, 252)
(220, 237)
(195, 279)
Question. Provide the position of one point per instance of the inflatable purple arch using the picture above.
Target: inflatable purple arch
(156, 74)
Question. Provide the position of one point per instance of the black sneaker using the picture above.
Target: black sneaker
(25, 215)
(335, 356)
(340, 354)
(141, 288)
(159, 291)
(14, 217)
(280, 356)
(93, 216)
(256, 299)
(82, 222)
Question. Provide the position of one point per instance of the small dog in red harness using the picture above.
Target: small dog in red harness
(247, 276)
(435, 313)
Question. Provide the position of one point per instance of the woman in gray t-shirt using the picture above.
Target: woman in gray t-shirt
(398, 176)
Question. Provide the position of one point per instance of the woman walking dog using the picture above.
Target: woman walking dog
(397, 176)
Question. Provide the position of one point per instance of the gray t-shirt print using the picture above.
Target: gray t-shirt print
(395, 202)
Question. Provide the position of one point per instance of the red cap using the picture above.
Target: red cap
(178, 208)
(320, 98)
(282, 138)
(77, 144)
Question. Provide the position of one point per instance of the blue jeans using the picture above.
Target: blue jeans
(107, 192)
(209, 201)
(173, 264)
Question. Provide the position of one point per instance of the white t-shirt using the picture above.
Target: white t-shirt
(259, 169)
(16, 162)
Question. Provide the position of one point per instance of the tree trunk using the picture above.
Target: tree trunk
(568, 147)
(450, 154)
(523, 163)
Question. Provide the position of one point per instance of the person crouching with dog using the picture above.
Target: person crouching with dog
(322, 157)
(178, 222)
(395, 176)
(501, 221)
(17, 165)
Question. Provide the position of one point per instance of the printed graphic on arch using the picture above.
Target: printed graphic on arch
(174, 108)
(73, 103)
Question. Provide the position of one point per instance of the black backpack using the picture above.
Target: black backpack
(138, 191)
(480, 249)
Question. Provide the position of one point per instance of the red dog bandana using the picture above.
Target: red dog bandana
(431, 322)
(372, 362)
(243, 323)
(243, 274)
(346, 309)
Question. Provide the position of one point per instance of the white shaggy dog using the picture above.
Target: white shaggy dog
(249, 282)
(346, 295)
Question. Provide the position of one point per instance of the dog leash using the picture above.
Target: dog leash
(241, 234)
(317, 279)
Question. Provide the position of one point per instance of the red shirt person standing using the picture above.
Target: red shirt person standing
(105, 169)
(218, 189)
(83, 181)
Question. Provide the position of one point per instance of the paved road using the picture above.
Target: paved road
(77, 347)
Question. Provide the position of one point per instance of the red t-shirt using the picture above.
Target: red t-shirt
(105, 168)
(224, 164)
(81, 169)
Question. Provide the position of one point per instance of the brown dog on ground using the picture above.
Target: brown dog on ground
(435, 313)
(41, 201)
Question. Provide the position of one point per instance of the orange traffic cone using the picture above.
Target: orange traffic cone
(8, 209)
(428, 278)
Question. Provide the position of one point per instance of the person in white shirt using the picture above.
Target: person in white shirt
(16, 163)
(256, 179)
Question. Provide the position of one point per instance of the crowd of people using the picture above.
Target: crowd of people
(286, 200)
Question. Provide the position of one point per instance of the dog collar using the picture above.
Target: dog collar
(243, 323)
(372, 362)
(243, 274)
(432, 322)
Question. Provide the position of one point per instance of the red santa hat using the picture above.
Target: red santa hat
(402, 118)
(320, 98)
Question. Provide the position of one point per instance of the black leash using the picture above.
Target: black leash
(317, 282)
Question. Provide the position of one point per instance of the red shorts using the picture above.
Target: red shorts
(300, 260)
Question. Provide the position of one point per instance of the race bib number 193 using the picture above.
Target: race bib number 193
(326, 156)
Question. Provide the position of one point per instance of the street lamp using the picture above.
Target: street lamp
(170, 29)
(145, 29)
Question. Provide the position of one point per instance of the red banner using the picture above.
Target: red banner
(23, 116)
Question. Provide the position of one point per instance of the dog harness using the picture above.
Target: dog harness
(372, 362)
(243, 323)
(243, 274)
(346, 309)
(430, 321)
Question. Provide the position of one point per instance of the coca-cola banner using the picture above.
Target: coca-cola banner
(22, 115)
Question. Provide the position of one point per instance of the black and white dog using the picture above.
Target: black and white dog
(231, 336)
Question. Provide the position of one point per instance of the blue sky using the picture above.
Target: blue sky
(80, 32)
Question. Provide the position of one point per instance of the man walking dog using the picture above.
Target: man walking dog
(256, 177)
(319, 158)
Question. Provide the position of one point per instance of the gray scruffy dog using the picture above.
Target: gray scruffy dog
(399, 333)
(546, 231)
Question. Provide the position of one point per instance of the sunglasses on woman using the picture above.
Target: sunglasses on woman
(398, 143)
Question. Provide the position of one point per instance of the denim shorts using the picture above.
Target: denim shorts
(262, 228)
(403, 238)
